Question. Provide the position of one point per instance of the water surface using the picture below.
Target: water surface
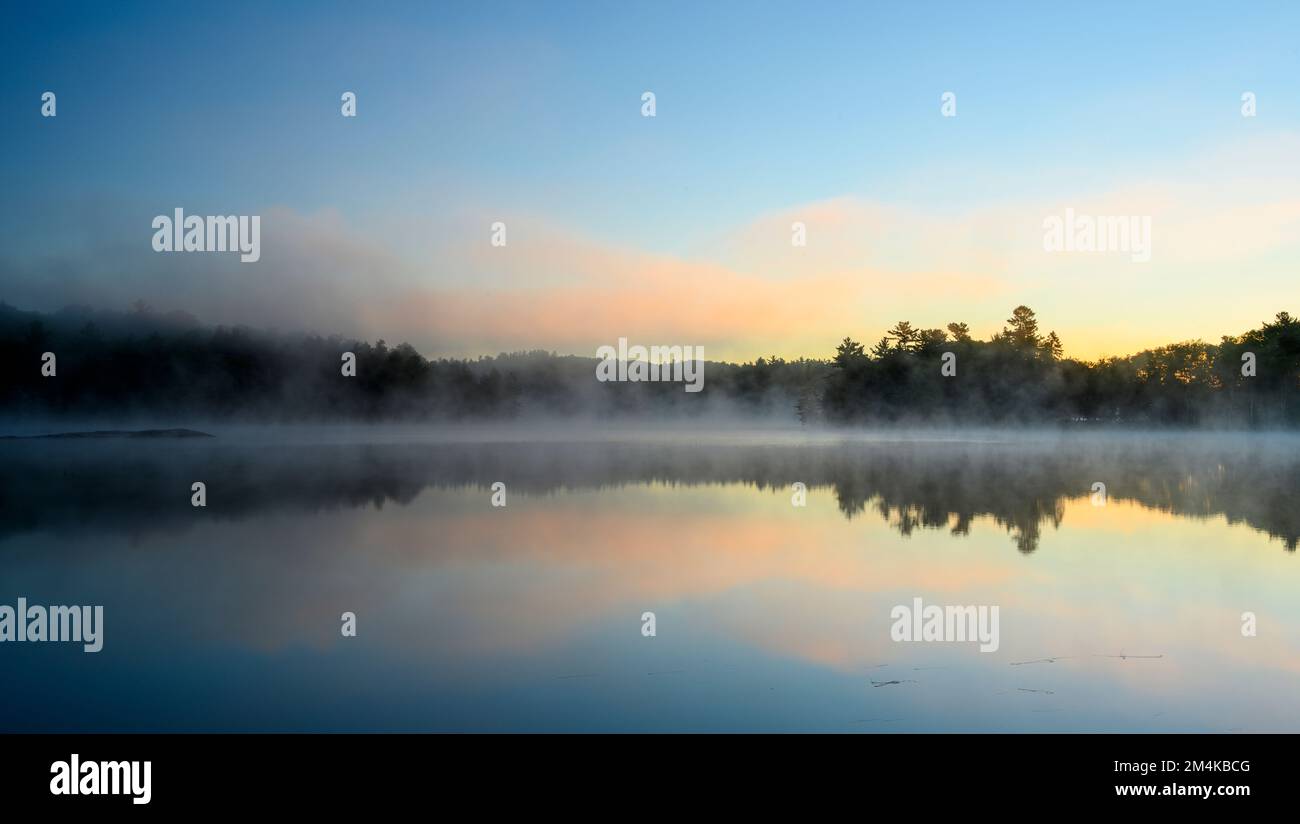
(1125, 616)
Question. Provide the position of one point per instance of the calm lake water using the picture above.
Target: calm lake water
(1125, 616)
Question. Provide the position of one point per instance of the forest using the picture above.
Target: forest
(168, 365)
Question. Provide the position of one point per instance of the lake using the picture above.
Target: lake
(1121, 609)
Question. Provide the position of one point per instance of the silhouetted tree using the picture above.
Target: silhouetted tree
(960, 332)
(1022, 328)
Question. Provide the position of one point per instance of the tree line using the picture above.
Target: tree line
(168, 365)
(1020, 375)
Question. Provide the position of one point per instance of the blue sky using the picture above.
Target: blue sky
(534, 109)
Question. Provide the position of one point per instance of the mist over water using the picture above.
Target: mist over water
(1122, 616)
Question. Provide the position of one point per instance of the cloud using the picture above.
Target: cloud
(1224, 242)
